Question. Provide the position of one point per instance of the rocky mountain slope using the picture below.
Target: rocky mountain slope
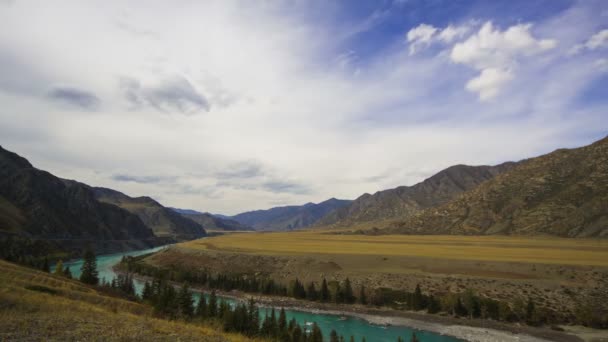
(163, 221)
(563, 193)
(289, 217)
(404, 201)
(37, 205)
(210, 221)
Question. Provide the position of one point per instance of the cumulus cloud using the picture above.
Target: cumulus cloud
(451, 33)
(421, 35)
(495, 53)
(74, 97)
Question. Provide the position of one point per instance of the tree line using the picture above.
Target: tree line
(464, 304)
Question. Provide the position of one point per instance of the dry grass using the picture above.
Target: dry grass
(35, 306)
(545, 250)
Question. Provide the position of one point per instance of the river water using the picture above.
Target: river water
(345, 326)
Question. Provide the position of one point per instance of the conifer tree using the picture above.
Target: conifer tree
(253, 315)
(201, 307)
(296, 334)
(282, 323)
(333, 336)
(185, 303)
(311, 292)
(212, 310)
(67, 273)
(316, 335)
(417, 299)
(89, 273)
(147, 293)
(362, 297)
(352, 338)
(59, 268)
(324, 291)
(414, 338)
(45, 265)
(348, 292)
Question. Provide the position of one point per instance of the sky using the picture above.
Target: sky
(228, 106)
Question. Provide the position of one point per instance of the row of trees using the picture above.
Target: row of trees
(466, 304)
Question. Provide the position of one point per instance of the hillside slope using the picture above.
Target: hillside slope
(210, 221)
(289, 217)
(404, 201)
(163, 221)
(38, 306)
(563, 193)
(37, 205)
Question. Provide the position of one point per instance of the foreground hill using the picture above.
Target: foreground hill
(563, 193)
(37, 205)
(404, 201)
(289, 217)
(210, 221)
(37, 306)
(163, 221)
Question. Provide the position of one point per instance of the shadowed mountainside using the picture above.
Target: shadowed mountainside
(404, 201)
(163, 221)
(37, 205)
(289, 217)
(563, 193)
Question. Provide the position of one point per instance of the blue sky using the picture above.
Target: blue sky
(227, 106)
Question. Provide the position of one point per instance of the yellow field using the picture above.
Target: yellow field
(544, 250)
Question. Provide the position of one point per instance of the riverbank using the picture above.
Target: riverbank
(475, 330)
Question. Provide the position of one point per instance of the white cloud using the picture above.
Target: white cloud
(421, 35)
(598, 40)
(451, 33)
(601, 64)
(277, 118)
(494, 52)
(489, 82)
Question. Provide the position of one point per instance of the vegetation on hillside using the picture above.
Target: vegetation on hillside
(563, 193)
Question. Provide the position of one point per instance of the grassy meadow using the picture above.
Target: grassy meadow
(543, 250)
(37, 306)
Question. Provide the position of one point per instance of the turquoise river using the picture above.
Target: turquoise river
(345, 326)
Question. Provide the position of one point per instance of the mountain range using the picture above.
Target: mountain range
(289, 217)
(210, 221)
(70, 216)
(404, 201)
(563, 193)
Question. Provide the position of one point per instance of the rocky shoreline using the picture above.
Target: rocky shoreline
(474, 330)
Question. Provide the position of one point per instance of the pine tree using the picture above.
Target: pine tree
(212, 304)
(362, 297)
(414, 338)
(59, 268)
(348, 292)
(201, 307)
(363, 339)
(89, 273)
(282, 323)
(273, 323)
(45, 265)
(352, 338)
(417, 299)
(147, 293)
(67, 273)
(311, 292)
(530, 312)
(316, 335)
(399, 339)
(253, 315)
(324, 291)
(296, 334)
(186, 305)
